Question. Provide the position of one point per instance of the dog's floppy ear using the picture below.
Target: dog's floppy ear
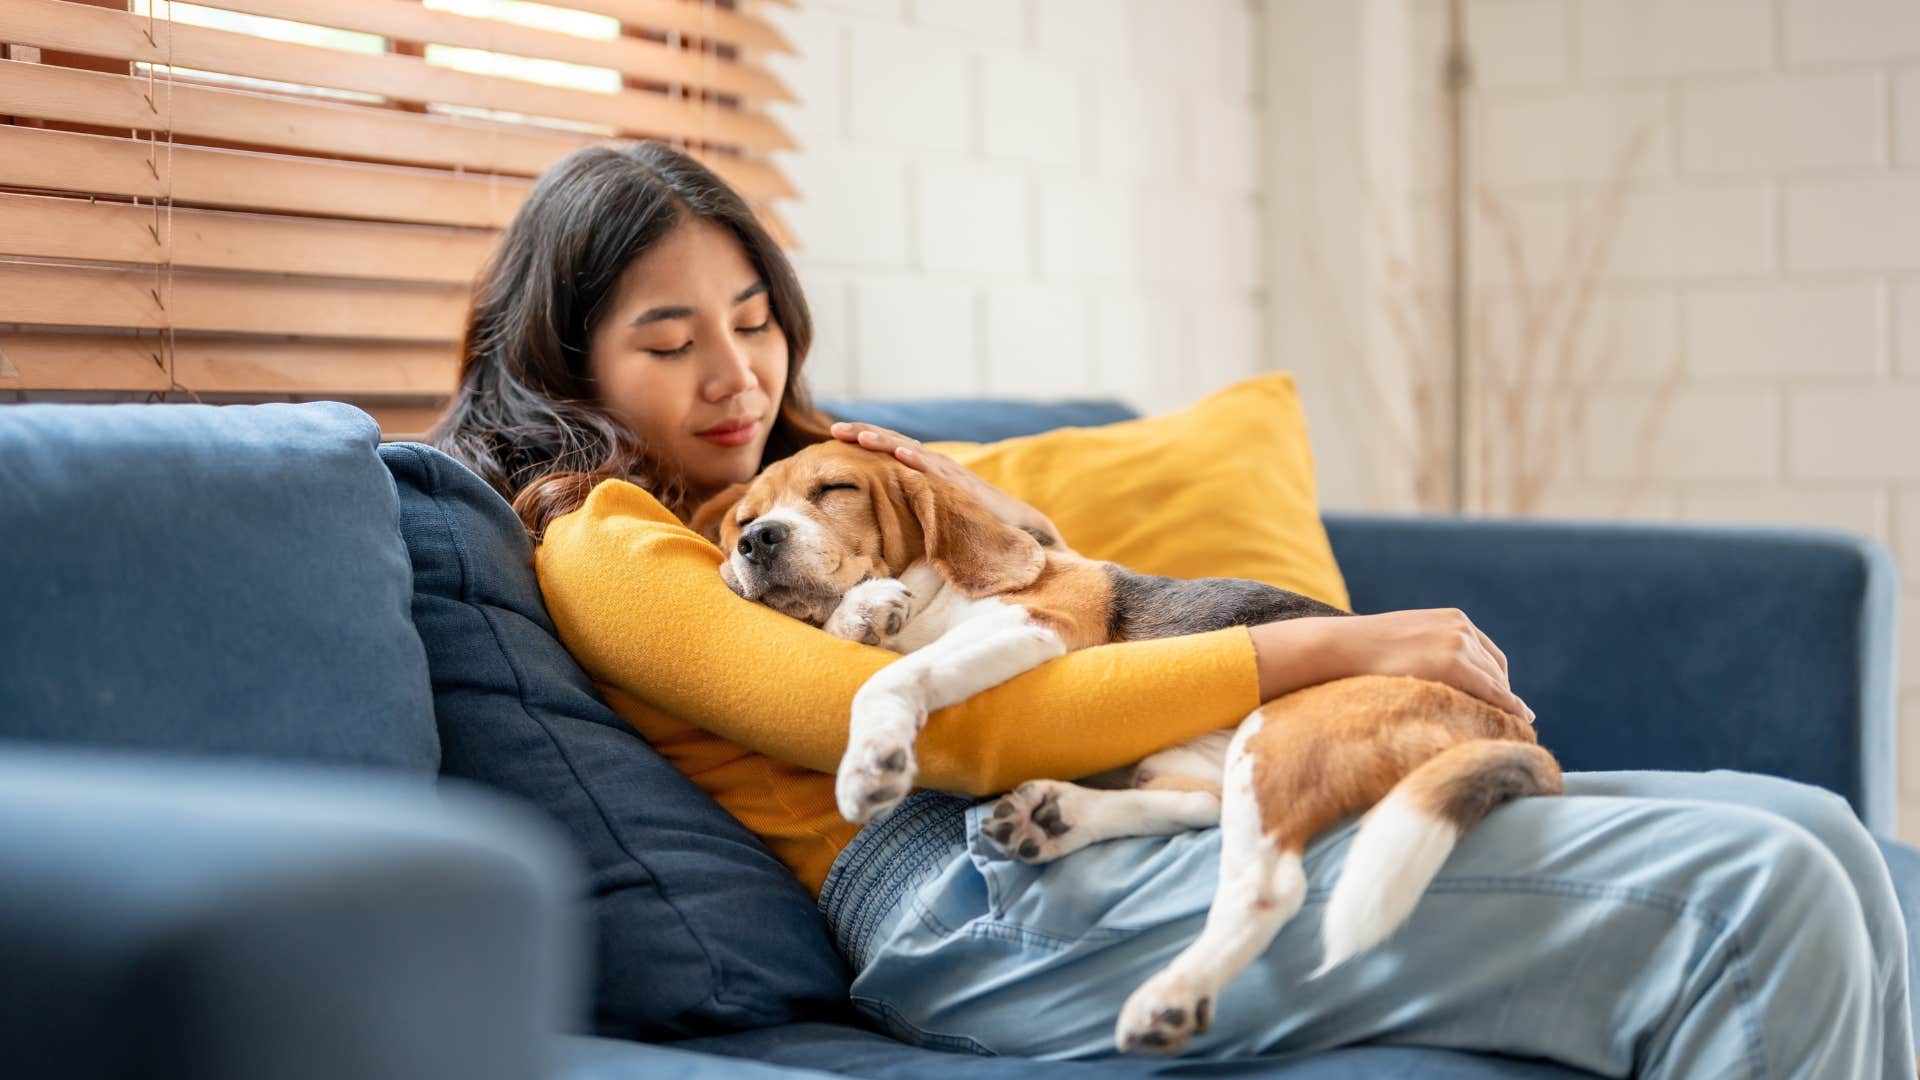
(713, 513)
(977, 553)
(900, 539)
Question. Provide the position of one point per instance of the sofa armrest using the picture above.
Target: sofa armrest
(240, 920)
(1647, 646)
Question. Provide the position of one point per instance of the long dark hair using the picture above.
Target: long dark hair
(526, 416)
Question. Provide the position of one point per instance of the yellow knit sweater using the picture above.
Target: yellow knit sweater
(752, 705)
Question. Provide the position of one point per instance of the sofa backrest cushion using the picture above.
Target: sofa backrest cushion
(978, 420)
(699, 929)
(207, 579)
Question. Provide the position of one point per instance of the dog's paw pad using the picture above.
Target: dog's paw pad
(1029, 824)
(877, 610)
(873, 778)
(1163, 1016)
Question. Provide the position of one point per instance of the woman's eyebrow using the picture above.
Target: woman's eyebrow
(653, 315)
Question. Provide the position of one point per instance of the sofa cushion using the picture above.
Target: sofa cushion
(214, 579)
(699, 928)
(976, 419)
(1222, 488)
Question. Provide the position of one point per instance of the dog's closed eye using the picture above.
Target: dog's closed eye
(824, 490)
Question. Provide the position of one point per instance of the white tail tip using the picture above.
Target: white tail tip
(1390, 862)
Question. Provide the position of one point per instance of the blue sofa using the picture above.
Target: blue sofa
(295, 780)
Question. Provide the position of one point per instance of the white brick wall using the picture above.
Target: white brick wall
(1906, 330)
(1751, 282)
(1867, 224)
(1906, 117)
(1572, 138)
(1657, 39)
(1030, 197)
(1773, 124)
(1849, 31)
(1811, 328)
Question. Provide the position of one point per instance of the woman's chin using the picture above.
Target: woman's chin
(724, 465)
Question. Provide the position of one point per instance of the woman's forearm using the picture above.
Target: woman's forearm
(1293, 655)
(1440, 644)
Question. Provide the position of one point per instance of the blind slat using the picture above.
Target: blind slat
(67, 161)
(399, 420)
(195, 175)
(407, 20)
(63, 362)
(71, 95)
(227, 365)
(240, 366)
(73, 229)
(698, 20)
(47, 295)
(122, 35)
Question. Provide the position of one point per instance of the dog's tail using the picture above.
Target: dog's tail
(1402, 841)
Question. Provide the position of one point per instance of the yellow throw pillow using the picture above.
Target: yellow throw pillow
(1223, 488)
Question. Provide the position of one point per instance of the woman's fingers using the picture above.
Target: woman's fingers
(1481, 652)
(1495, 693)
(1492, 665)
(1492, 649)
(907, 451)
(871, 437)
(1486, 679)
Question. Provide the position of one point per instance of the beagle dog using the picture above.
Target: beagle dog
(871, 550)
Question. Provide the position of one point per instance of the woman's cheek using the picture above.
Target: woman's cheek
(773, 365)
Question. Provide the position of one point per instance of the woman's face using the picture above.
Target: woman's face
(689, 356)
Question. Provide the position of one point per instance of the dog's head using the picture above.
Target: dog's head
(820, 522)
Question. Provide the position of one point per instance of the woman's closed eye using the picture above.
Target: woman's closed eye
(765, 325)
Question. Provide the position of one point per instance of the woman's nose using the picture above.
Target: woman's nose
(732, 372)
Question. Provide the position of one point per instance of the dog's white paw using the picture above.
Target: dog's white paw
(1164, 1015)
(872, 611)
(875, 774)
(1030, 823)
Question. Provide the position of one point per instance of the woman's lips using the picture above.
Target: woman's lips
(739, 434)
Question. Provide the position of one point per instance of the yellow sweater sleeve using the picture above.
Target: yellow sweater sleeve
(638, 600)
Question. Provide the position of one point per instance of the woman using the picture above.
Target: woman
(636, 345)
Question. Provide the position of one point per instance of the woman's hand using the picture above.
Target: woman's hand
(1440, 644)
(911, 453)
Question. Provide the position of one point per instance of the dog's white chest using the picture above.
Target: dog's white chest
(938, 609)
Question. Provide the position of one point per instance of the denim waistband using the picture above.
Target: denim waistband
(884, 861)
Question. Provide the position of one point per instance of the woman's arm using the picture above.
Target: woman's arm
(1441, 644)
(638, 600)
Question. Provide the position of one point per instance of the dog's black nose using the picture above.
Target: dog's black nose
(761, 542)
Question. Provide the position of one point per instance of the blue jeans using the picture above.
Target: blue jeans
(1647, 924)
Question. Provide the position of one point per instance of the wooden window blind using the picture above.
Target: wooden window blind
(287, 199)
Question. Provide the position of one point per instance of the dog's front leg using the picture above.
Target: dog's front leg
(984, 651)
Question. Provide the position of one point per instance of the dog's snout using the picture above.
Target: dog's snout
(761, 542)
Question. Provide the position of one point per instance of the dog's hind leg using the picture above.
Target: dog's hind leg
(1262, 885)
(1174, 791)
(1041, 820)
